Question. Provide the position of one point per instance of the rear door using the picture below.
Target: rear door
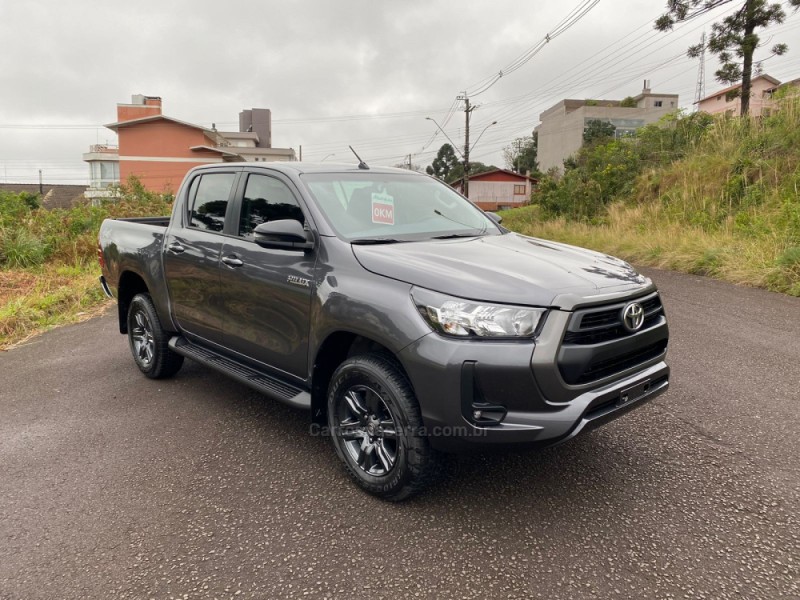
(267, 293)
(192, 253)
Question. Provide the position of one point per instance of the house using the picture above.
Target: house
(499, 189)
(52, 196)
(761, 90)
(560, 132)
(159, 150)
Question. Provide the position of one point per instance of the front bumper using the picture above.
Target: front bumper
(517, 390)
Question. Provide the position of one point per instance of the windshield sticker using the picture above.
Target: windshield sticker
(382, 208)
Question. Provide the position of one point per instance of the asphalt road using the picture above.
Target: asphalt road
(112, 485)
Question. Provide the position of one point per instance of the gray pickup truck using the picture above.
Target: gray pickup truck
(403, 318)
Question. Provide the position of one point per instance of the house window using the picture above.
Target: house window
(519, 190)
(658, 103)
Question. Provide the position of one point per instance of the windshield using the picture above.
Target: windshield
(387, 207)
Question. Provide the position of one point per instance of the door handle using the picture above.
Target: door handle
(176, 248)
(232, 261)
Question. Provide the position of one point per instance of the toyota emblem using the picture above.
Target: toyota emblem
(633, 316)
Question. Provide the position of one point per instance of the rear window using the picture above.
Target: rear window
(211, 198)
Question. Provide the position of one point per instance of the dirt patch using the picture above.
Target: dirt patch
(15, 283)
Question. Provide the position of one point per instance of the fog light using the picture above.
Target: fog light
(477, 415)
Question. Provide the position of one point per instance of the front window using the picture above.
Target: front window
(378, 207)
(266, 199)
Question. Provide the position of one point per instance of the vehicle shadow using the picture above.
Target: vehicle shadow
(605, 472)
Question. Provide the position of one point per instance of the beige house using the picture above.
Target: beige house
(499, 189)
(761, 90)
(561, 128)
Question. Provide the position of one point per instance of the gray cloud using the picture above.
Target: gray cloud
(69, 63)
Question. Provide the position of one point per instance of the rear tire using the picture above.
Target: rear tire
(149, 342)
(377, 430)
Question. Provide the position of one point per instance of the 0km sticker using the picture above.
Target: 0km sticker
(382, 208)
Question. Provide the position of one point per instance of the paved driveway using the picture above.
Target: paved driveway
(112, 485)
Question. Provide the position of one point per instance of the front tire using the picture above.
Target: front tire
(149, 342)
(377, 429)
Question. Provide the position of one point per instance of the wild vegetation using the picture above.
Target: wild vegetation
(713, 196)
(48, 258)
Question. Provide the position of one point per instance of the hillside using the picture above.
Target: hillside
(718, 197)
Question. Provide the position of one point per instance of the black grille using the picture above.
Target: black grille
(604, 368)
(597, 345)
(605, 324)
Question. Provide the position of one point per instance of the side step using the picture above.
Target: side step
(267, 385)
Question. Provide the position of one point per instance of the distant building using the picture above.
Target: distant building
(103, 170)
(159, 150)
(499, 189)
(762, 89)
(560, 132)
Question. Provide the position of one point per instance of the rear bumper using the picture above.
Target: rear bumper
(104, 285)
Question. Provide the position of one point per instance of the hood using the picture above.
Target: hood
(508, 268)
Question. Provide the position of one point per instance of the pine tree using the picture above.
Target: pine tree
(733, 39)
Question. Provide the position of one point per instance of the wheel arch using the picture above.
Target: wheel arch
(332, 352)
(130, 284)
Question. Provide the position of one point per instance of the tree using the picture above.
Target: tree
(444, 163)
(628, 102)
(520, 155)
(597, 130)
(733, 39)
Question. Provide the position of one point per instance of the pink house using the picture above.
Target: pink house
(761, 91)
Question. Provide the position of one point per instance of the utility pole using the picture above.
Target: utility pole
(41, 188)
(467, 110)
(700, 91)
(519, 151)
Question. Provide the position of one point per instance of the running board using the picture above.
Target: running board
(267, 385)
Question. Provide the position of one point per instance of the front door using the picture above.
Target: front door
(266, 292)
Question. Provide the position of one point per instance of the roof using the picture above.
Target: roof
(55, 196)
(239, 135)
(222, 151)
(772, 80)
(506, 171)
(304, 167)
(121, 124)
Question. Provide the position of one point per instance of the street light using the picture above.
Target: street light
(467, 149)
(481, 133)
(327, 157)
(452, 143)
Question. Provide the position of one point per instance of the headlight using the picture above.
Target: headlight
(465, 318)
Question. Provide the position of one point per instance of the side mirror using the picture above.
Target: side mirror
(284, 234)
(494, 217)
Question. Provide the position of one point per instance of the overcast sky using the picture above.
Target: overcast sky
(360, 72)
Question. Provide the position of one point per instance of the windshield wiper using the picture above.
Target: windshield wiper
(372, 241)
(450, 236)
(444, 216)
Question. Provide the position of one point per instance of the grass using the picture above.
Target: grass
(648, 235)
(32, 301)
(48, 263)
(726, 205)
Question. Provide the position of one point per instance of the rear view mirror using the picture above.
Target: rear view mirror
(495, 217)
(285, 234)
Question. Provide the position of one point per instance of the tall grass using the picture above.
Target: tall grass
(729, 207)
(48, 258)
